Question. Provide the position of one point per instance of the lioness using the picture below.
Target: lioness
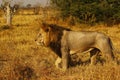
(65, 42)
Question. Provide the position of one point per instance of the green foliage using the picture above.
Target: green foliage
(90, 11)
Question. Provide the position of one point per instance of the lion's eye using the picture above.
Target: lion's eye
(39, 35)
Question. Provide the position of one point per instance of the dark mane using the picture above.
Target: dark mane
(56, 35)
(60, 28)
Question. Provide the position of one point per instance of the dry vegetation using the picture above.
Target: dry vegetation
(22, 59)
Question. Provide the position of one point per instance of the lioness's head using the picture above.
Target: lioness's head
(43, 37)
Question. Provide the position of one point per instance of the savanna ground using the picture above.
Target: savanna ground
(22, 59)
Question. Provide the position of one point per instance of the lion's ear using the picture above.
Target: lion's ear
(45, 27)
(44, 24)
(47, 30)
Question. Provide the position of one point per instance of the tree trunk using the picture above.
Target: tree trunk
(8, 15)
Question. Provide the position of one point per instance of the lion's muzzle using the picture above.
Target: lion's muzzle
(39, 41)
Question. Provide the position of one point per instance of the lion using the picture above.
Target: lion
(65, 42)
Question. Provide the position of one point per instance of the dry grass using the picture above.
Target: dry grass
(22, 59)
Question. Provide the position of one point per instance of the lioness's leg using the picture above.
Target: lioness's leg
(93, 56)
(57, 62)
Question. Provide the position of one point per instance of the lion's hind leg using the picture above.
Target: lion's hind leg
(93, 56)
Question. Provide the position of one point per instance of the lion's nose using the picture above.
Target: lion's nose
(35, 39)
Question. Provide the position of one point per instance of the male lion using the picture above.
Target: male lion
(65, 42)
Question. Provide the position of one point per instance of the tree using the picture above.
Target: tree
(8, 10)
(28, 5)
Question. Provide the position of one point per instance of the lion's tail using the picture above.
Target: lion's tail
(113, 48)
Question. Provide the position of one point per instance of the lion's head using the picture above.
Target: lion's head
(43, 37)
(49, 34)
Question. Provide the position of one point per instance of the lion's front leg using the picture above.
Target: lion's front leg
(65, 58)
(57, 62)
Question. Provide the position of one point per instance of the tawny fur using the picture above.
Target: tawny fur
(65, 42)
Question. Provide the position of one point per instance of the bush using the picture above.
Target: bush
(4, 27)
(90, 11)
